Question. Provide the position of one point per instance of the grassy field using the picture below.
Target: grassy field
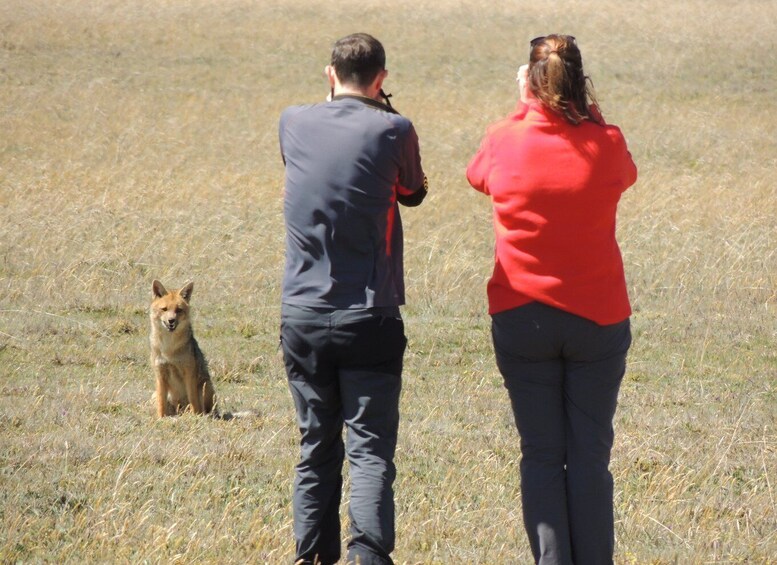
(138, 140)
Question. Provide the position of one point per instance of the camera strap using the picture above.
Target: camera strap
(386, 107)
(386, 100)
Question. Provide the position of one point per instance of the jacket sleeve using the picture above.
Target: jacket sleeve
(478, 168)
(411, 184)
(623, 163)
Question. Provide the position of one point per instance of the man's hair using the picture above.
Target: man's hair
(357, 59)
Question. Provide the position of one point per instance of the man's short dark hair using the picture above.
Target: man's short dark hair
(357, 59)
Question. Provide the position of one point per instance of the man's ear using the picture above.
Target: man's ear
(379, 79)
(329, 71)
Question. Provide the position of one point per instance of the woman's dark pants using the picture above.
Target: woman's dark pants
(563, 373)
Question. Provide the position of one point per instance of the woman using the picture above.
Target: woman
(560, 311)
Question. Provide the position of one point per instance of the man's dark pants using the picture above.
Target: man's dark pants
(344, 367)
(563, 374)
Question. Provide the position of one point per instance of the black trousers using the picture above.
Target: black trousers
(563, 374)
(344, 368)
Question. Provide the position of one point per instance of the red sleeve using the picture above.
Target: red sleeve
(478, 168)
(623, 161)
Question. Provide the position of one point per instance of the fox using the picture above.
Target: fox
(182, 377)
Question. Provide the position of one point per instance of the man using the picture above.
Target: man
(349, 161)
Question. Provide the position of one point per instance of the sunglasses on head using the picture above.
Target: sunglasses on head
(542, 38)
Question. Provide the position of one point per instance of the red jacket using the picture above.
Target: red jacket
(555, 189)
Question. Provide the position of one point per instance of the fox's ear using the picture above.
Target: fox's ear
(186, 291)
(158, 289)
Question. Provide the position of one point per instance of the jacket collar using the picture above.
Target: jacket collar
(367, 101)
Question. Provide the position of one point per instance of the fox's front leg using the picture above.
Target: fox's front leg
(162, 388)
(192, 390)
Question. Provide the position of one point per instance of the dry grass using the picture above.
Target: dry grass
(138, 141)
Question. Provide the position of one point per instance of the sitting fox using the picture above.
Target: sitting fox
(182, 377)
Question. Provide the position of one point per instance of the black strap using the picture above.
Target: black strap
(386, 99)
(368, 101)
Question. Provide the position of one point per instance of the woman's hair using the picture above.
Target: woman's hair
(358, 58)
(557, 79)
